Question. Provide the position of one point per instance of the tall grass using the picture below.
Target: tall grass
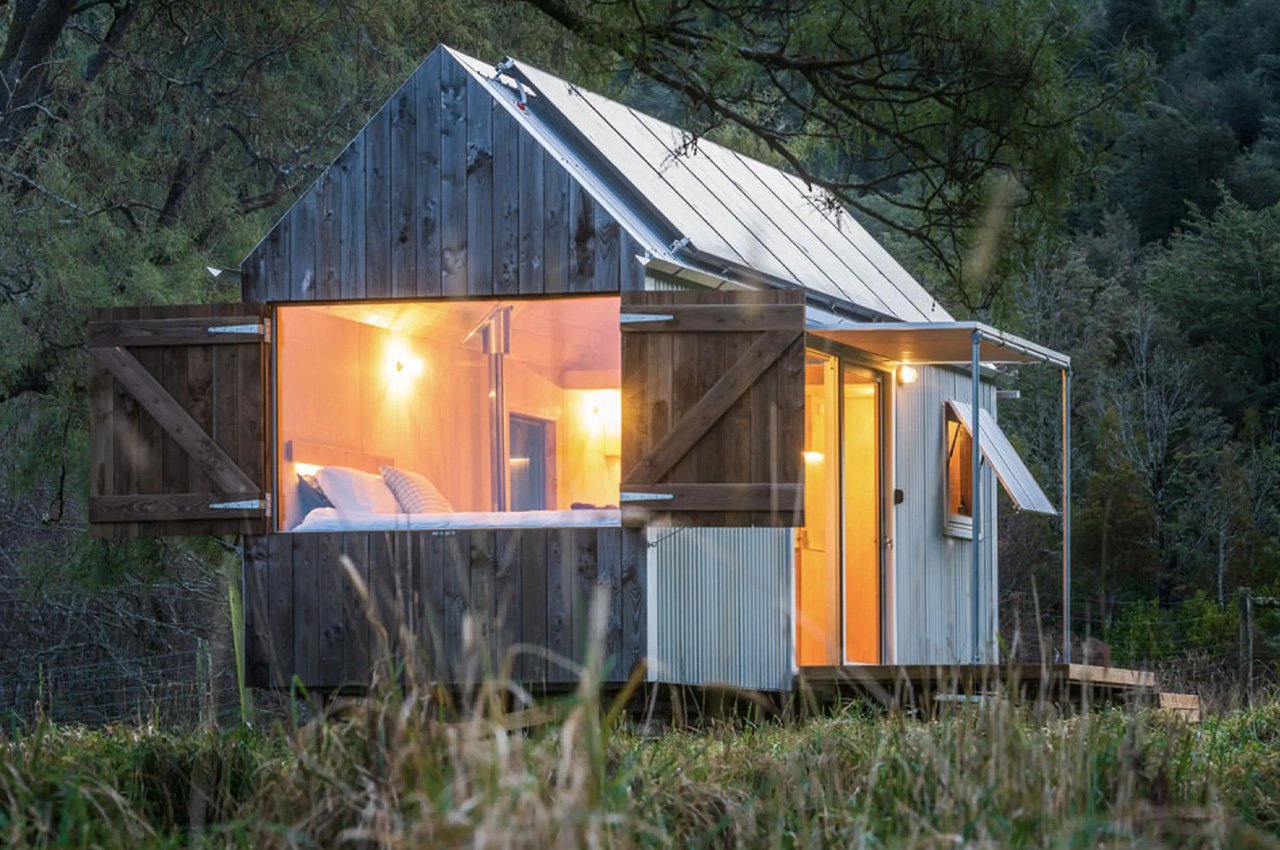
(407, 768)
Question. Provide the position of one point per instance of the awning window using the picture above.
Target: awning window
(1010, 469)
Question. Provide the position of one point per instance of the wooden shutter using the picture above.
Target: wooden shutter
(176, 428)
(713, 408)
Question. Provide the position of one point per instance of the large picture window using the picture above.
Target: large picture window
(448, 414)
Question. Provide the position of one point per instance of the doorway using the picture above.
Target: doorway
(838, 562)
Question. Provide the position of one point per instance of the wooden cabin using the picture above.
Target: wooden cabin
(519, 342)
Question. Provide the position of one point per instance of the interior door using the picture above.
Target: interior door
(818, 540)
(863, 489)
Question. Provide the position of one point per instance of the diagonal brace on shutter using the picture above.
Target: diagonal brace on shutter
(762, 354)
(175, 421)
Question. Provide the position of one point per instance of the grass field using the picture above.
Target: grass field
(390, 775)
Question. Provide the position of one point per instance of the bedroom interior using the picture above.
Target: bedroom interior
(508, 408)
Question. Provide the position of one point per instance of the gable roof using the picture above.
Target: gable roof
(735, 212)
(698, 211)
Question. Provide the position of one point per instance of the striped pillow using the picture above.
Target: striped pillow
(415, 493)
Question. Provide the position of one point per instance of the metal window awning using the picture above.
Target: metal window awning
(933, 342)
(1009, 467)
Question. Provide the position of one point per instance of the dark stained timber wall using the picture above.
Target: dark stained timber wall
(443, 194)
(521, 589)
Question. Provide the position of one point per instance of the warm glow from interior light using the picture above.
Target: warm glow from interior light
(814, 457)
(602, 411)
(306, 468)
(403, 366)
(519, 461)
(907, 374)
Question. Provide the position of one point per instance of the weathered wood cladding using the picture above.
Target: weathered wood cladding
(713, 399)
(478, 602)
(176, 421)
(443, 194)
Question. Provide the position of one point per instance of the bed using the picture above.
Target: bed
(331, 519)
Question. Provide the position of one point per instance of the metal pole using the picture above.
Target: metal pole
(1066, 515)
(976, 488)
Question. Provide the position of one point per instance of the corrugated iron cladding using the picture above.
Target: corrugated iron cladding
(722, 600)
(933, 575)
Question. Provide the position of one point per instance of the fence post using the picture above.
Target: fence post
(1246, 646)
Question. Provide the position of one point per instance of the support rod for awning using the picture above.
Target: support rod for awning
(1066, 515)
(976, 488)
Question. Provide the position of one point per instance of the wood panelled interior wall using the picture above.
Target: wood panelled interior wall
(443, 193)
(338, 386)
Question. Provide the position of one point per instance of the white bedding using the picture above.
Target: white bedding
(331, 519)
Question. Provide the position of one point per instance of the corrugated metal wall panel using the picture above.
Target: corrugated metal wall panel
(721, 599)
(933, 571)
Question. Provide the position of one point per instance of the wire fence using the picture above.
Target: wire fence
(174, 688)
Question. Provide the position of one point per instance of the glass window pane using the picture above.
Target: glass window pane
(510, 406)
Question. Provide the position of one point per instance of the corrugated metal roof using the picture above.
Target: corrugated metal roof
(1004, 459)
(731, 208)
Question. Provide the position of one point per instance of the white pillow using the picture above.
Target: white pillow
(416, 493)
(356, 492)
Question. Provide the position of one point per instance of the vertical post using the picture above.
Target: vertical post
(1246, 646)
(976, 487)
(1066, 515)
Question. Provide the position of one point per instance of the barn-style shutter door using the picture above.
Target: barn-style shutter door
(177, 404)
(713, 408)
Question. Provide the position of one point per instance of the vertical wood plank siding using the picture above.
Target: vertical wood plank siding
(442, 194)
(933, 578)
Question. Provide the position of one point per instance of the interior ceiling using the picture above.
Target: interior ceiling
(555, 335)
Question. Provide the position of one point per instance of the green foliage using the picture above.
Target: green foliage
(1220, 280)
(388, 774)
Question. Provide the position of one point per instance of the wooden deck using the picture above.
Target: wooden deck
(923, 687)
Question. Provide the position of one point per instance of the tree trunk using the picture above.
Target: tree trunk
(34, 30)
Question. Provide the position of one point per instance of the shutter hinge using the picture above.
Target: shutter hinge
(644, 497)
(240, 505)
(626, 318)
(259, 329)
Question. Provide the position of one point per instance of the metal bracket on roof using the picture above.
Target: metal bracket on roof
(507, 66)
(679, 245)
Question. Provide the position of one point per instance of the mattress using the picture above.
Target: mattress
(330, 519)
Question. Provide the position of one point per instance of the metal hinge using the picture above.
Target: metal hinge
(644, 497)
(626, 318)
(240, 505)
(259, 329)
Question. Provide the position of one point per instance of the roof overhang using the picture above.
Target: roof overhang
(936, 342)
